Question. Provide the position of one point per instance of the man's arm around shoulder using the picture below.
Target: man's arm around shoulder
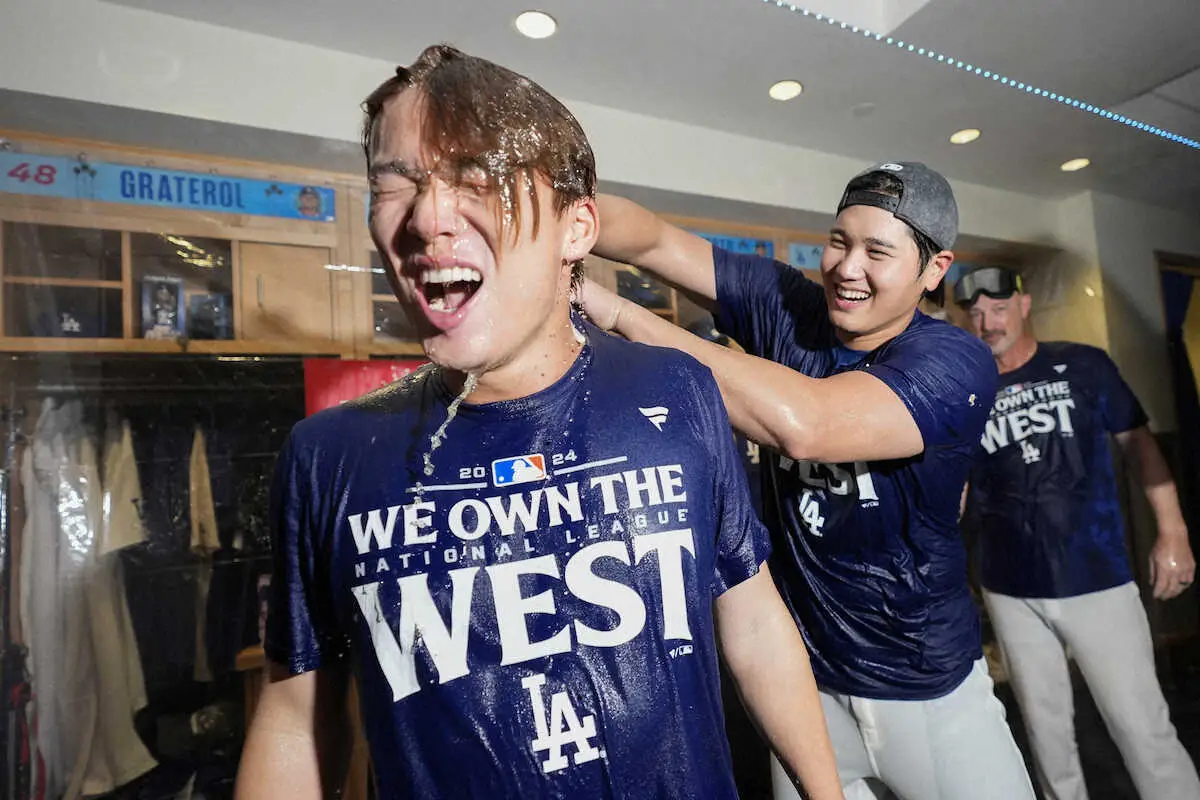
(634, 235)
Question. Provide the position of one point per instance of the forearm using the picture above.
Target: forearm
(853, 416)
(298, 745)
(1171, 562)
(1155, 477)
(635, 235)
(769, 663)
(627, 230)
(279, 764)
(749, 386)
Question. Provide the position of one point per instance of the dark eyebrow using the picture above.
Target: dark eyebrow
(871, 240)
(395, 167)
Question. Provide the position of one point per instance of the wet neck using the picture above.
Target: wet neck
(549, 355)
(1018, 355)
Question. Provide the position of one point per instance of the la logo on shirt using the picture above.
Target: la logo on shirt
(825, 480)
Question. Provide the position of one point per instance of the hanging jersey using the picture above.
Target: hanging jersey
(868, 555)
(1043, 495)
(534, 619)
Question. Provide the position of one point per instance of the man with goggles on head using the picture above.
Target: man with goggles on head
(1055, 572)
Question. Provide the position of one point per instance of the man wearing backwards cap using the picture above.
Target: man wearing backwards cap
(1044, 501)
(873, 411)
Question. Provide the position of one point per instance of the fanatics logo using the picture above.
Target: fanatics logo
(519, 469)
(1060, 368)
(657, 415)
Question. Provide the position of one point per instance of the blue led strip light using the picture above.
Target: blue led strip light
(1012, 83)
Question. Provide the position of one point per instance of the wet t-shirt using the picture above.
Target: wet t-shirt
(1043, 495)
(535, 618)
(868, 555)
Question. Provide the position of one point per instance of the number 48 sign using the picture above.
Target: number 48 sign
(21, 173)
(38, 173)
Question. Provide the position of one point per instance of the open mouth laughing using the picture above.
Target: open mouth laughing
(445, 289)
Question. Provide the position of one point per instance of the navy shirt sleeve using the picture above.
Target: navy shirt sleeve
(743, 544)
(765, 305)
(1119, 406)
(945, 377)
(301, 625)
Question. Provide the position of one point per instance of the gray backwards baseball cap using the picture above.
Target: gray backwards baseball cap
(926, 201)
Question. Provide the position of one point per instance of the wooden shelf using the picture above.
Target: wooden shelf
(72, 282)
(396, 349)
(17, 344)
(232, 347)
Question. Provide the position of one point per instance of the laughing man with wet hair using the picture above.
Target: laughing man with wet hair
(532, 552)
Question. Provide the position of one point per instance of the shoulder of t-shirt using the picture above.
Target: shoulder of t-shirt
(335, 424)
(926, 329)
(949, 346)
(1075, 351)
(633, 364)
(637, 361)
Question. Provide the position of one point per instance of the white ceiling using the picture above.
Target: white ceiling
(709, 62)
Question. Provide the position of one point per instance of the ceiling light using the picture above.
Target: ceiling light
(785, 90)
(1089, 291)
(1075, 164)
(536, 24)
(965, 136)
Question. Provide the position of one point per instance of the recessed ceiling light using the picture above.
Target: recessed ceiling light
(965, 136)
(785, 90)
(1075, 164)
(536, 24)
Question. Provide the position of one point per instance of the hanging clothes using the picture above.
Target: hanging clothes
(83, 658)
(41, 603)
(204, 542)
(117, 755)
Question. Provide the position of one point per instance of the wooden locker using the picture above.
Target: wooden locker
(286, 294)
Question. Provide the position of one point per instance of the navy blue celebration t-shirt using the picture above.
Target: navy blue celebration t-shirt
(1043, 496)
(868, 556)
(534, 619)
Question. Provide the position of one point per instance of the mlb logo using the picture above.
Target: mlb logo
(1016, 387)
(519, 469)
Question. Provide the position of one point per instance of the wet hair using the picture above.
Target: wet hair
(885, 183)
(480, 116)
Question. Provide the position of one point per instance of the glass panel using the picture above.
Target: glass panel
(642, 289)
(183, 286)
(186, 446)
(379, 281)
(62, 311)
(52, 251)
(391, 323)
